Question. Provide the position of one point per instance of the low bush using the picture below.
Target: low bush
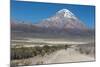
(27, 52)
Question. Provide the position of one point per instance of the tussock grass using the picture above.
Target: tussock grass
(28, 52)
(88, 49)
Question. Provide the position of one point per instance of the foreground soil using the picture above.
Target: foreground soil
(60, 56)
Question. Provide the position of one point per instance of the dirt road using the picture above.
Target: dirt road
(69, 55)
(61, 56)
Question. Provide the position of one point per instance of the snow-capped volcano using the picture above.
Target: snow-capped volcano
(63, 19)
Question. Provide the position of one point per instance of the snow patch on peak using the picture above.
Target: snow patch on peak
(64, 10)
(66, 13)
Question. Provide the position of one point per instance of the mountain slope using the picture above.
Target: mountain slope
(63, 19)
(63, 22)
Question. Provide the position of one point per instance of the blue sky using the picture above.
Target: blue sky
(36, 11)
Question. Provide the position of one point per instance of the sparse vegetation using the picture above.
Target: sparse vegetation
(88, 49)
(23, 53)
(27, 52)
